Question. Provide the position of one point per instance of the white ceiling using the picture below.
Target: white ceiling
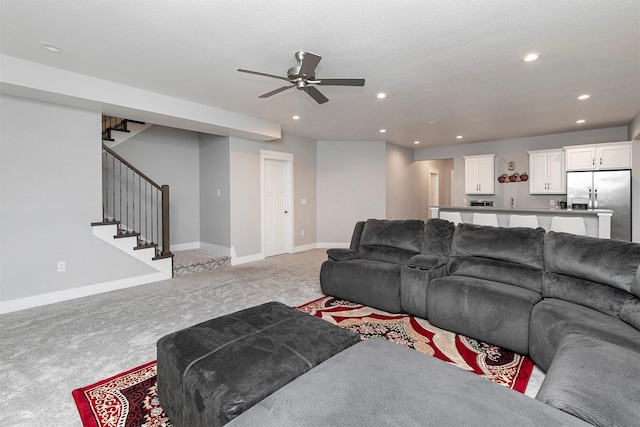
(455, 63)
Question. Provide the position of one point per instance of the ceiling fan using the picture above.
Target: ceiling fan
(303, 77)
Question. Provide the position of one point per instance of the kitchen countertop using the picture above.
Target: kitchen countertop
(530, 211)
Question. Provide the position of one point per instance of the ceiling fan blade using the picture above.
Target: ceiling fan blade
(242, 70)
(309, 62)
(341, 82)
(316, 94)
(273, 92)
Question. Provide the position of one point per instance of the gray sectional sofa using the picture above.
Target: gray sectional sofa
(571, 303)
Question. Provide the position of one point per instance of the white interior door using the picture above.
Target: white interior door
(276, 208)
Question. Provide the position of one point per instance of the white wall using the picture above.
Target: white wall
(171, 157)
(50, 192)
(516, 150)
(351, 187)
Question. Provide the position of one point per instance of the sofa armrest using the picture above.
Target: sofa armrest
(342, 254)
(427, 261)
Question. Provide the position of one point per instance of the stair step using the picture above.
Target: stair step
(160, 256)
(146, 246)
(119, 130)
(105, 223)
(124, 235)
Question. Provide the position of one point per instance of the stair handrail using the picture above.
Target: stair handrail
(164, 190)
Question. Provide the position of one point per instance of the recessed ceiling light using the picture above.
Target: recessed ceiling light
(531, 57)
(459, 136)
(585, 96)
(381, 95)
(383, 130)
(581, 121)
(432, 122)
(296, 117)
(51, 47)
(416, 142)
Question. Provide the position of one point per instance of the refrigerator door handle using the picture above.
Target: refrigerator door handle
(595, 199)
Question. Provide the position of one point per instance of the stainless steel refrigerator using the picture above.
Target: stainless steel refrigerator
(603, 190)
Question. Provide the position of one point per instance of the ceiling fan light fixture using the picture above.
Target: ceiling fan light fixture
(531, 57)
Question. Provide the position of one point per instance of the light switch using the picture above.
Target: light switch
(303, 201)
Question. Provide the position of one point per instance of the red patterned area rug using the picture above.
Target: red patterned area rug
(494, 363)
(130, 399)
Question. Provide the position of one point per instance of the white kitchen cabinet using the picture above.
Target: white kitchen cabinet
(610, 156)
(479, 174)
(547, 172)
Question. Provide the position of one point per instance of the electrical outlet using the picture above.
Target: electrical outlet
(552, 202)
(302, 232)
(62, 266)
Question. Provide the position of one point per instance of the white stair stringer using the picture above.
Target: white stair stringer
(120, 137)
(126, 244)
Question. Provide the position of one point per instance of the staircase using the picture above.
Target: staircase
(116, 130)
(135, 209)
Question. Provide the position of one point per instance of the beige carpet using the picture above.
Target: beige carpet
(46, 352)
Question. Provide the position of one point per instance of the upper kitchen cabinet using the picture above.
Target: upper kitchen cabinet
(479, 174)
(610, 156)
(547, 172)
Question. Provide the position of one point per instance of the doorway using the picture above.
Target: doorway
(434, 189)
(276, 203)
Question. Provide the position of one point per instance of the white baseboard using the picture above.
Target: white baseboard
(237, 260)
(304, 248)
(185, 246)
(83, 291)
(337, 245)
(216, 249)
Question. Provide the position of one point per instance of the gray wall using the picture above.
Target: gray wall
(171, 157)
(215, 191)
(351, 187)
(50, 192)
(245, 190)
(515, 150)
(408, 186)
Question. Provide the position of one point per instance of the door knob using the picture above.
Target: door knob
(286, 211)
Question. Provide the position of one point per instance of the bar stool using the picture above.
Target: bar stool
(485, 219)
(530, 221)
(454, 217)
(573, 225)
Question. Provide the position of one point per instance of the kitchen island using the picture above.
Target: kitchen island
(597, 221)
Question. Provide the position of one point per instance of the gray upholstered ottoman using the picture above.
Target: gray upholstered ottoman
(211, 372)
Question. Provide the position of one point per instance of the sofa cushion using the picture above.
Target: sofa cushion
(604, 298)
(553, 319)
(378, 383)
(490, 311)
(610, 262)
(594, 380)
(495, 270)
(391, 240)
(373, 283)
(516, 245)
(437, 237)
